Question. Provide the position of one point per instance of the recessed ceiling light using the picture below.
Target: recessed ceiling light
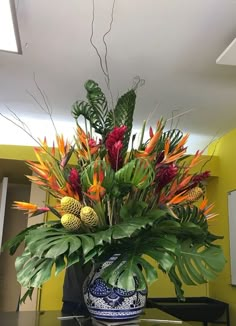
(9, 33)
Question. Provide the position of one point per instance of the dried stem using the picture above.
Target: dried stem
(21, 125)
(104, 67)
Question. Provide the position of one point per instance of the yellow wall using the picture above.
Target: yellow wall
(13, 152)
(225, 149)
(51, 292)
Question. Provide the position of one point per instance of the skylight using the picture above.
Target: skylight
(9, 34)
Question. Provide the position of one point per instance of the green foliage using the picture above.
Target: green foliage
(145, 209)
(154, 234)
(98, 167)
(51, 245)
(13, 244)
(174, 135)
(123, 116)
(196, 264)
(138, 173)
(133, 209)
(95, 110)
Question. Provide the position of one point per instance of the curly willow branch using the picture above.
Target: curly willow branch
(47, 109)
(138, 82)
(20, 124)
(104, 67)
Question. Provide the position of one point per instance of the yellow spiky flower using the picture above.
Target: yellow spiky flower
(71, 205)
(70, 222)
(194, 194)
(89, 216)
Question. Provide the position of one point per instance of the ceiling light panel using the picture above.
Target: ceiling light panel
(228, 56)
(9, 33)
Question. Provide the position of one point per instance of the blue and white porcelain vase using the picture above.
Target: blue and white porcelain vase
(111, 303)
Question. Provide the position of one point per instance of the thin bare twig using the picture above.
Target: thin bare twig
(46, 103)
(20, 125)
(23, 124)
(104, 41)
(91, 40)
(178, 116)
(106, 53)
(104, 67)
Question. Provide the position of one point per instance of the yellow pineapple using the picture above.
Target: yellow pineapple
(88, 216)
(71, 205)
(70, 222)
(194, 194)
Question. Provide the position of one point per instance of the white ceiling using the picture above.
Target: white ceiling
(172, 44)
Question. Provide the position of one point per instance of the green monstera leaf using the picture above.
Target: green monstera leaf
(95, 109)
(138, 172)
(196, 264)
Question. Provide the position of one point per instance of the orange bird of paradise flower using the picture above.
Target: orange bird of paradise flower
(96, 191)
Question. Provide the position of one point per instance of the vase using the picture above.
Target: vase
(111, 303)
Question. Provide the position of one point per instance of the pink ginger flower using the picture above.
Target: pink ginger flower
(165, 174)
(114, 145)
(74, 180)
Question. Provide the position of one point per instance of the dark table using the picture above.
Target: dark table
(202, 309)
(50, 318)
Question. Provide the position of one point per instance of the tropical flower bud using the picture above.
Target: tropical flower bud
(194, 194)
(74, 179)
(166, 174)
(114, 145)
(89, 216)
(70, 222)
(71, 205)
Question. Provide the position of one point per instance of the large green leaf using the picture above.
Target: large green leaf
(133, 263)
(28, 294)
(125, 274)
(14, 243)
(33, 271)
(95, 110)
(150, 272)
(123, 116)
(133, 209)
(185, 261)
(51, 242)
(198, 264)
(59, 264)
(138, 172)
(58, 247)
(42, 273)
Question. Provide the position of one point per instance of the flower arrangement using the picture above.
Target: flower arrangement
(112, 198)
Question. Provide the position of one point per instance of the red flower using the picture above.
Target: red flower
(198, 178)
(92, 143)
(114, 145)
(165, 175)
(74, 180)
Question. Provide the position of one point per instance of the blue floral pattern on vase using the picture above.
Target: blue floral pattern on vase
(111, 303)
